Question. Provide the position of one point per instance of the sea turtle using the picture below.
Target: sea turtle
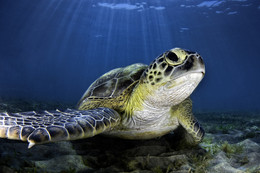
(134, 102)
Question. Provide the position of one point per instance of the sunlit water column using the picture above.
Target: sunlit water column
(131, 32)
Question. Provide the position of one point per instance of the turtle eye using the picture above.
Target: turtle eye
(171, 58)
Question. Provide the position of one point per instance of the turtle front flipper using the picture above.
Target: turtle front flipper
(190, 132)
(50, 126)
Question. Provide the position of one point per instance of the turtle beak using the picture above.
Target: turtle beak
(201, 64)
(193, 64)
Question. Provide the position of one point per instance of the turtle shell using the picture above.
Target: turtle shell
(114, 82)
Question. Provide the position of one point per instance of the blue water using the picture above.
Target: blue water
(53, 50)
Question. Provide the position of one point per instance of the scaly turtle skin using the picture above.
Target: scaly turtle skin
(134, 102)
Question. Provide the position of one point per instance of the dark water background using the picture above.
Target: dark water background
(53, 50)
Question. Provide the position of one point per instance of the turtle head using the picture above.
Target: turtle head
(173, 76)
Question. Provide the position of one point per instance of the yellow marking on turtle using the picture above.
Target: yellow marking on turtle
(181, 54)
(14, 132)
(136, 100)
(3, 132)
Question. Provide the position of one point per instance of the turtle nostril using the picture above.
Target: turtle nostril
(200, 60)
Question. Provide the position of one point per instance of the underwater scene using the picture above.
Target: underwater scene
(158, 86)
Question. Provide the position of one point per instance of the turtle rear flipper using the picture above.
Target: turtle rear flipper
(50, 126)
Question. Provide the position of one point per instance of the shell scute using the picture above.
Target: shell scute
(114, 82)
(104, 90)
